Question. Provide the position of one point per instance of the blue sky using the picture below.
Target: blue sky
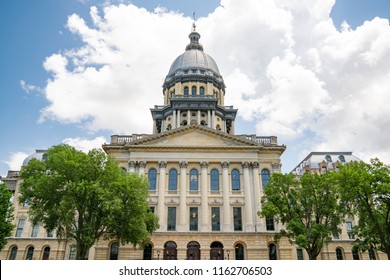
(37, 36)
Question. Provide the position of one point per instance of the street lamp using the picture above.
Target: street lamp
(158, 254)
(228, 253)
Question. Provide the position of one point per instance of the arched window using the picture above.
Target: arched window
(170, 251)
(13, 252)
(193, 180)
(339, 254)
(328, 158)
(355, 254)
(214, 180)
(265, 178)
(239, 250)
(193, 251)
(201, 90)
(193, 90)
(114, 251)
(202, 122)
(172, 180)
(185, 91)
(235, 180)
(46, 253)
(272, 252)
(152, 177)
(30, 253)
(216, 251)
(341, 158)
(183, 123)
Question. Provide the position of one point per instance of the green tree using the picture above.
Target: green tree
(6, 216)
(86, 197)
(365, 190)
(308, 208)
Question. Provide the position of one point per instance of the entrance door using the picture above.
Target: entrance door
(193, 251)
(216, 251)
(170, 251)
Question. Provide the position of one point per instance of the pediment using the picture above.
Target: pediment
(193, 136)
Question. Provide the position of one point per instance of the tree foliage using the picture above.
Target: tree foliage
(6, 225)
(86, 197)
(365, 190)
(308, 208)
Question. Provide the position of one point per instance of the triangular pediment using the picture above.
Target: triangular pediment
(193, 136)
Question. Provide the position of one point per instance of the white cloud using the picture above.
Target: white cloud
(28, 87)
(85, 145)
(286, 66)
(15, 161)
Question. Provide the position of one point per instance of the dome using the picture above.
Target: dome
(191, 59)
(39, 155)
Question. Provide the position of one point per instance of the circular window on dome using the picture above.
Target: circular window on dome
(203, 115)
(184, 115)
(218, 119)
(194, 114)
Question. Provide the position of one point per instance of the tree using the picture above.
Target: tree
(365, 190)
(308, 208)
(6, 216)
(86, 197)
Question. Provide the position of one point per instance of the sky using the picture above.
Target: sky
(313, 73)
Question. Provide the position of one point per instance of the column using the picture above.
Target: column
(256, 196)
(227, 223)
(132, 166)
(178, 117)
(198, 117)
(188, 117)
(208, 118)
(182, 226)
(213, 119)
(174, 119)
(142, 166)
(248, 225)
(163, 125)
(204, 222)
(161, 193)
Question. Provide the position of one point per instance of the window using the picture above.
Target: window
(341, 158)
(201, 90)
(336, 235)
(26, 203)
(349, 230)
(148, 249)
(265, 178)
(193, 218)
(152, 176)
(237, 216)
(239, 250)
(72, 252)
(171, 219)
(372, 254)
(50, 234)
(13, 253)
(185, 91)
(193, 90)
(299, 254)
(215, 219)
(339, 254)
(235, 180)
(272, 252)
(172, 180)
(214, 180)
(269, 223)
(114, 251)
(19, 229)
(30, 253)
(193, 180)
(328, 158)
(323, 169)
(46, 253)
(35, 230)
(355, 254)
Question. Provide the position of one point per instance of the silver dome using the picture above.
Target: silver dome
(191, 59)
(39, 155)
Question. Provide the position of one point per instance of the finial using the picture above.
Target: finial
(193, 24)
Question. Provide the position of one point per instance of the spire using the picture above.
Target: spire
(194, 38)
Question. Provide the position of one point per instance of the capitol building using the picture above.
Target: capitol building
(205, 181)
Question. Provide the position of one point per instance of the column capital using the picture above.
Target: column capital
(245, 164)
(142, 164)
(276, 166)
(204, 164)
(183, 164)
(132, 163)
(255, 164)
(225, 164)
(162, 164)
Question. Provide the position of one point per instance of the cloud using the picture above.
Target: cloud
(287, 68)
(28, 88)
(85, 145)
(15, 161)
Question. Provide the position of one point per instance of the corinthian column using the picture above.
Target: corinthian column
(256, 187)
(248, 198)
(142, 166)
(204, 190)
(161, 192)
(226, 221)
(183, 197)
(132, 166)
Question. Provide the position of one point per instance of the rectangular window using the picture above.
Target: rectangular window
(19, 229)
(349, 230)
(299, 254)
(72, 252)
(50, 234)
(237, 216)
(269, 223)
(35, 230)
(215, 219)
(171, 219)
(193, 218)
